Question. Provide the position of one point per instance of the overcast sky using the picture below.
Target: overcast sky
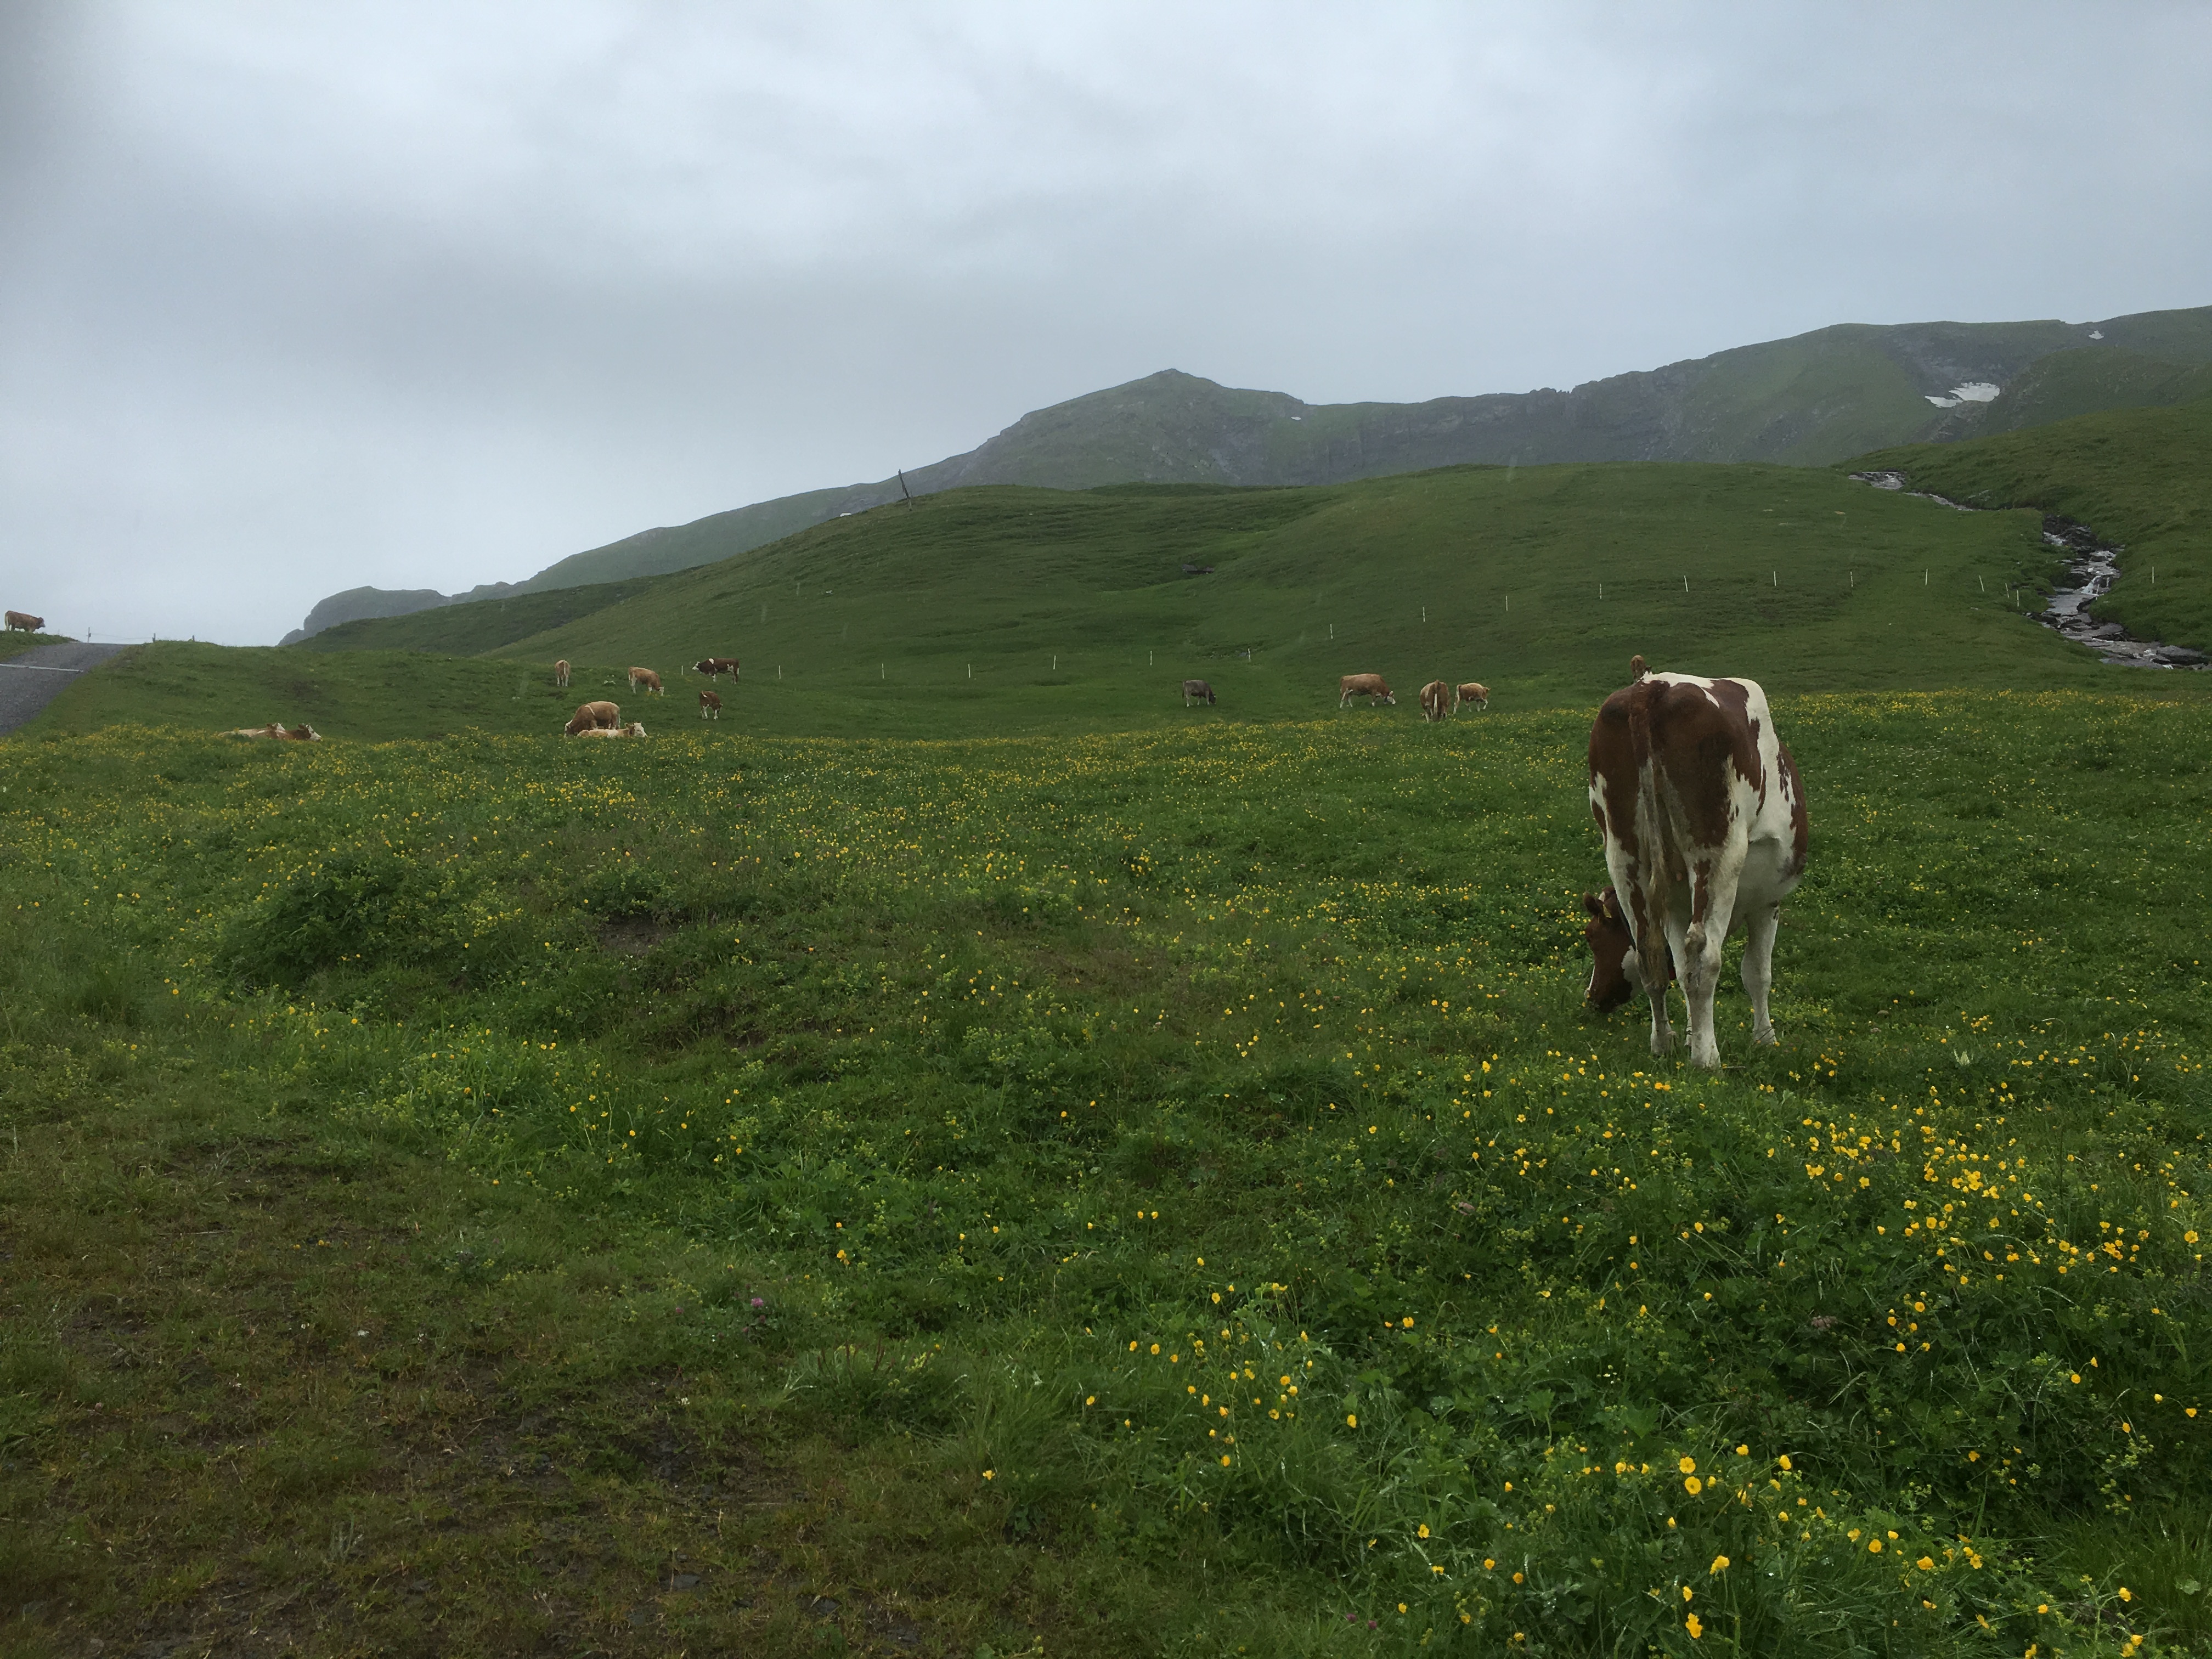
(295, 296)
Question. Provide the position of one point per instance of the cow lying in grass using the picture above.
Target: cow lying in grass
(300, 733)
(634, 729)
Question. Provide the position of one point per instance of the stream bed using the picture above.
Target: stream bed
(2092, 562)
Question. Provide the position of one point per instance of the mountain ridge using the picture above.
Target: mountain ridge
(1811, 399)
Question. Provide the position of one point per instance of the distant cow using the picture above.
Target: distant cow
(710, 706)
(647, 679)
(1373, 687)
(592, 717)
(1703, 818)
(1196, 692)
(1470, 693)
(1436, 701)
(634, 729)
(300, 733)
(25, 622)
(1638, 668)
(713, 667)
(560, 676)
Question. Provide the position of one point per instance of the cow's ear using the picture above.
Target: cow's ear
(1612, 906)
(1590, 903)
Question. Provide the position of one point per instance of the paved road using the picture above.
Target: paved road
(29, 682)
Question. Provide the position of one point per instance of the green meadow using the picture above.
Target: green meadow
(966, 1156)
(1155, 1191)
(1009, 612)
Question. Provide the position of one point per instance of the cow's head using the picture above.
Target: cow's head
(1616, 973)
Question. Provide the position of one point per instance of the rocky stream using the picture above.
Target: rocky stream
(2092, 562)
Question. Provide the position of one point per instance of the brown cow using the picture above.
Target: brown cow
(710, 706)
(560, 676)
(711, 667)
(1373, 687)
(1436, 701)
(1470, 693)
(592, 716)
(1638, 668)
(300, 733)
(647, 679)
(1196, 692)
(25, 622)
(1703, 818)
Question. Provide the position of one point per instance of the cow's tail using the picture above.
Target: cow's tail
(1654, 835)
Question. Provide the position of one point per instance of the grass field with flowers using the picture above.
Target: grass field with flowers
(1154, 1193)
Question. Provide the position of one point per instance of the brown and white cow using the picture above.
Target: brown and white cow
(1373, 687)
(710, 706)
(1436, 701)
(301, 733)
(1703, 818)
(647, 679)
(25, 622)
(1470, 693)
(592, 717)
(715, 667)
(560, 676)
(1196, 692)
(634, 729)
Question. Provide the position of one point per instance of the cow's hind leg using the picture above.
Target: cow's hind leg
(1758, 968)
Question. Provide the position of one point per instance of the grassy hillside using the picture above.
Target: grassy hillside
(349, 693)
(1014, 611)
(718, 536)
(482, 625)
(1070, 609)
(1808, 400)
(2142, 476)
(2088, 380)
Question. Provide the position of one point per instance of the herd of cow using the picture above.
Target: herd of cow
(604, 720)
(1698, 801)
(1437, 698)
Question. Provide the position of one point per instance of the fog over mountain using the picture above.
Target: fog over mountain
(416, 298)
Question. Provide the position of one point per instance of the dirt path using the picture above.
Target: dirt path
(30, 682)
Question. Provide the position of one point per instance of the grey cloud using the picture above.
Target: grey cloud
(426, 295)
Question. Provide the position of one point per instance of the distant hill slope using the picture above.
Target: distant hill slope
(466, 629)
(1810, 400)
(1006, 610)
(2142, 476)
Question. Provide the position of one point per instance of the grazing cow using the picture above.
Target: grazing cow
(301, 733)
(711, 667)
(1470, 693)
(592, 717)
(1703, 818)
(710, 706)
(1436, 697)
(1373, 687)
(25, 622)
(560, 676)
(1196, 692)
(647, 679)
